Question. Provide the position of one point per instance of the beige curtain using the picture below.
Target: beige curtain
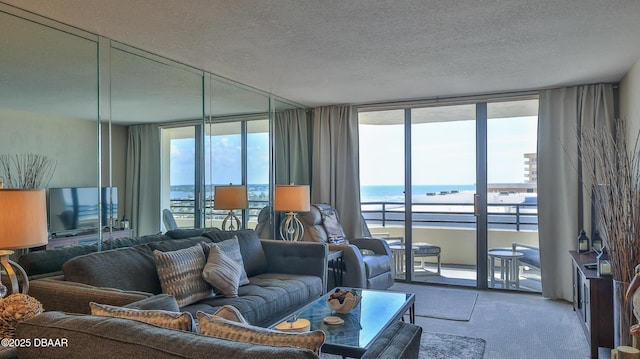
(563, 202)
(292, 134)
(142, 204)
(335, 165)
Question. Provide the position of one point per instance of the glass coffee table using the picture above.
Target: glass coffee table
(362, 325)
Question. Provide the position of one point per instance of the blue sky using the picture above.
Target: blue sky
(224, 166)
(444, 152)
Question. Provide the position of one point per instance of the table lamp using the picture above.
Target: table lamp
(23, 224)
(230, 197)
(291, 199)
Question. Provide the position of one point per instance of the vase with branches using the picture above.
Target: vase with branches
(26, 171)
(612, 166)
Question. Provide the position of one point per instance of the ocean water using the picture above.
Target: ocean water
(389, 193)
(384, 193)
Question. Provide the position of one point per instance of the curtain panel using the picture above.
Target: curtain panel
(335, 164)
(564, 204)
(142, 189)
(292, 136)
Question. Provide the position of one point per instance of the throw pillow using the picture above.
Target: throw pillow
(231, 313)
(180, 274)
(222, 273)
(231, 247)
(161, 318)
(331, 223)
(215, 326)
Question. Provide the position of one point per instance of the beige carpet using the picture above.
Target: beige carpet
(440, 302)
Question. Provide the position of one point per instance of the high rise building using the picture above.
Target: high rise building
(531, 167)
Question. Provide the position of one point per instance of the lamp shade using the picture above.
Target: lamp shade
(292, 198)
(230, 197)
(23, 218)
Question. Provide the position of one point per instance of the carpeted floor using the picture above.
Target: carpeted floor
(441, 302)
(446, 346)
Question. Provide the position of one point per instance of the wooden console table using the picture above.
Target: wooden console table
(90, 238)
(593, 302)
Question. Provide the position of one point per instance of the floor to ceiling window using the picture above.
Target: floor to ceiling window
(235, 152)
(430, 161)
(179, 174)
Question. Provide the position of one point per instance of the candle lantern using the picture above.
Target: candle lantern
(604, 263)
(583, 242)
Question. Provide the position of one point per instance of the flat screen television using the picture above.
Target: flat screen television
(74, 210)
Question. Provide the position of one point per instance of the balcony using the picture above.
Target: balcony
(451, 226)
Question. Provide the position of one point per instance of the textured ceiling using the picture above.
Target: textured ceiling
(362, 51)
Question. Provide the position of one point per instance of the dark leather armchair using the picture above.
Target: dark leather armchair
(368, 262)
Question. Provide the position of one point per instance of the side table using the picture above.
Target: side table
(334, 258)
(509, 263)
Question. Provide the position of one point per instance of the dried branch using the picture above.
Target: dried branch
(27, 170)
(614, 169)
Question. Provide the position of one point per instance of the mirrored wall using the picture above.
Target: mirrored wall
(158, 134)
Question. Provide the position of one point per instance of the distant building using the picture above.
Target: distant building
(511, 188)
(531, 167)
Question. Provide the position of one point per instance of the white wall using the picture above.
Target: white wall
(71, 142)
(630, 101)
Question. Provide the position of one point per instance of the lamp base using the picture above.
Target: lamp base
(8, 266)
(291, 229)
(233, 221)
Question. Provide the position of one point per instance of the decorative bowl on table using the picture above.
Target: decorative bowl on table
(343, 301)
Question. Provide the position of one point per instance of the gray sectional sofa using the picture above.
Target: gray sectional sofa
(283, 276)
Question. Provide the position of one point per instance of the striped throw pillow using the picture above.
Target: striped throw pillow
(230, 247)
(222, 273)
(215, 326)
(161, 318)
(180, 274)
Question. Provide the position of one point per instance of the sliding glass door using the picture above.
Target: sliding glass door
(443, 178)
(449, 185)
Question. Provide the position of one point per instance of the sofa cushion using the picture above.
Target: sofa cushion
(175, 244)
(161, 318)
(180, 274)
(215, 326)
(222, 272)
(231, 247)
(158, 301)
(266, 298)
(187, 232)
(131, 268)
(51, 260)
(255, 261)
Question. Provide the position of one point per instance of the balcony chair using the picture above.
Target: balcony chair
(168, 220)
(367, 262)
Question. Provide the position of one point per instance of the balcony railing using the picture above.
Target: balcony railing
(184, 208)
(518, 216)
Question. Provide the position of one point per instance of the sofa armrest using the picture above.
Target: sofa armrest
(377, 245)
(354, 275)
(305, 258)
(400, 340)
(56, 294)
(8, 353)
